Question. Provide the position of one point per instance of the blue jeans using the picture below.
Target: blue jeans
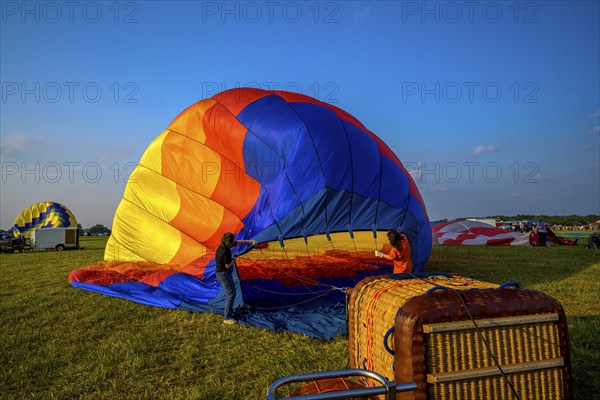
(225, 278)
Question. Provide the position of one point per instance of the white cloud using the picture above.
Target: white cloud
(125, 149)
(18, 145)
(516, 195)
(595, 129)
(535, 178)
(415, 171)
(480, 149)
(362, 13)
(587, 147)
(595, 115)
(436, 189)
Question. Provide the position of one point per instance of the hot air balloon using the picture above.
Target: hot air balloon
(305, 179)
(464, 232)
(43, 215)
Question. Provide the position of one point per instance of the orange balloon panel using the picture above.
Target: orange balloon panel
(189, 122)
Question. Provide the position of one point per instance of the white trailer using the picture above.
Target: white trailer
(54, 238)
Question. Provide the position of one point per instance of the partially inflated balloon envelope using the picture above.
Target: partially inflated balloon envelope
(308, 181)
(45, 214)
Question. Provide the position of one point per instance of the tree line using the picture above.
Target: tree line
(565, 220)
(96, 230)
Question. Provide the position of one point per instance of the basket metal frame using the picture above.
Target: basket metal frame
(389, 389)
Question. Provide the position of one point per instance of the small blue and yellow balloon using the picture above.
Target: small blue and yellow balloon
(45, 214)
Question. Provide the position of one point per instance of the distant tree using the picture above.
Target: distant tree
(98, 229)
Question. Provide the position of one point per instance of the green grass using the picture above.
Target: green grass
(61, 342)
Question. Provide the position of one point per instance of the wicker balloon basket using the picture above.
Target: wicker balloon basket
(459, 338)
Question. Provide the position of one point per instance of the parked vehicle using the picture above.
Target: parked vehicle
(6, 242)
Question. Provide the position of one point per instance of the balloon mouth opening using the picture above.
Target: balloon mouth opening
(305, 281)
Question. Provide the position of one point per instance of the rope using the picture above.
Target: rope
(487, 346)
(480, 334)
(290, 305)
(297, 277)
(287, 293)
(304, 282)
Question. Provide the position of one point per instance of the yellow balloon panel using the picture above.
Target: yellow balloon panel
(297, 247)
(154, 193)
(152, 158)
(145, 235)
(115, 251)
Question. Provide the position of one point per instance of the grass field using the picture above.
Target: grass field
(62, 342)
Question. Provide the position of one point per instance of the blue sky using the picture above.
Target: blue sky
(494, 107)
